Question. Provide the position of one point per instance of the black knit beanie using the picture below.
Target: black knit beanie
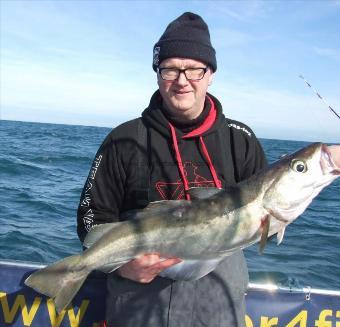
(186, 37)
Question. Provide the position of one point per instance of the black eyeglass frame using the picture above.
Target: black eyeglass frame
(179, 71)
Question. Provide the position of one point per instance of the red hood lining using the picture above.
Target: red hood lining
(206, 125)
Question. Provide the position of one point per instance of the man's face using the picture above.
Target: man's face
(184, 98)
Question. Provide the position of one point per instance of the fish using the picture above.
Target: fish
(202, 231)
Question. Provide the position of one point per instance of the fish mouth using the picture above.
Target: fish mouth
(330, 159)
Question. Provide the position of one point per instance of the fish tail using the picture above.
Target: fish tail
(61, 281)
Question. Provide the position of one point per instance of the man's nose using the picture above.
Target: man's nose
(182, 79)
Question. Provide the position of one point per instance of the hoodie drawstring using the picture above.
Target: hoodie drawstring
(179, 162)
(217, 182)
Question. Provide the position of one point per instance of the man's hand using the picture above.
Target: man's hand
(145, 268)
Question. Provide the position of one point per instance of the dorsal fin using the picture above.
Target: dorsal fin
(154, 207)
(163, 203)
(166, 205)
(203, 192)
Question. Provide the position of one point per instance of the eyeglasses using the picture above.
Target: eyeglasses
(191, 74)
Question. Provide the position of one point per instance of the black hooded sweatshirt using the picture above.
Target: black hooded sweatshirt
(159, 157)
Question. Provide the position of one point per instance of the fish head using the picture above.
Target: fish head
(294, 181)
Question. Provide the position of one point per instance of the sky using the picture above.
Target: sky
(90, 62)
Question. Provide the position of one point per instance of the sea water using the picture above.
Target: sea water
(43, 168)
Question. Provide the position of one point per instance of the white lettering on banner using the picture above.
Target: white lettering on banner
(240, 128)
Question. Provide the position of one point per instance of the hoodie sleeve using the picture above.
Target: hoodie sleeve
(255, 159)
(103, 192)
(247, 151)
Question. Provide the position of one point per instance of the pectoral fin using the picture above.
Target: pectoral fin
(265, 224)
(280, 235)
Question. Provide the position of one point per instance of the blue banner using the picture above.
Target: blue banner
(21, 306)
(292, 309)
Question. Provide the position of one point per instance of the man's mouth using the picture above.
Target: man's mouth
(182, 92)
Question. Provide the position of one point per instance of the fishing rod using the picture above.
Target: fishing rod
(321, 98)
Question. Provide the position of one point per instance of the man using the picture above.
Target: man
(182, 140)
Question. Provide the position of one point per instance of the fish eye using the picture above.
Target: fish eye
(299, 166)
